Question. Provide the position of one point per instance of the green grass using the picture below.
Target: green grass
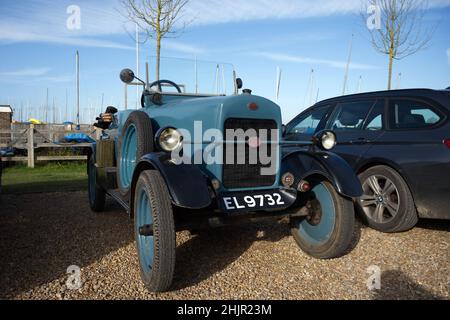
(45, 178)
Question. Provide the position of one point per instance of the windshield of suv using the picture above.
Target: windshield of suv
(194, 76)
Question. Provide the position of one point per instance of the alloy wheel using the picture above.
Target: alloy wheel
(381, 199)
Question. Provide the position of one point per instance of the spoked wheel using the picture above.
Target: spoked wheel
(97, 196)
(387, 204)
(327, 232)
(154, 231)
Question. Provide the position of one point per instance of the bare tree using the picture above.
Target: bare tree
(158, 18)
(399, 32)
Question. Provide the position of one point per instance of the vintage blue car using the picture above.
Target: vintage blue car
(187, 161)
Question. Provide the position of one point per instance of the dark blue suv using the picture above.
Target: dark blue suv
(398, 142)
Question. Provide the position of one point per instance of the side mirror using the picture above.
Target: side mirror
(127, 76)
(283, 129)
(239, 83)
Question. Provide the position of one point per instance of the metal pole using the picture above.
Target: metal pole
(399, 80)
(137, 64)
(126, 96)
(54, 111)
(65, 116)
(348, 66)
(78, 88)
(236, 90)
(147, 76)
(46, 108)
(309, 88)
(277, 89)
(224, 81)
(196, 76)
(217, 79)
(359, 84)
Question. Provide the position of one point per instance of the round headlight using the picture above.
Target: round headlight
(328, 140)
(170, 139)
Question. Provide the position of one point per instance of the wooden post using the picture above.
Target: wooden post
(30, 146)
(98, 133)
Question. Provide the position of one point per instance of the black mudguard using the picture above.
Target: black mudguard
(303, 164)
(187, 185)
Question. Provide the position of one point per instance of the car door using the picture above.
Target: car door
(307, 124)
(414, 143)
(358, 125)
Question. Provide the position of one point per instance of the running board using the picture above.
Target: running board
(116, 196)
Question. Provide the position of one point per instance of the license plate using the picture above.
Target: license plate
(255, 201)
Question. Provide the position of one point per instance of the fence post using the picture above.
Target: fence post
(30, 146)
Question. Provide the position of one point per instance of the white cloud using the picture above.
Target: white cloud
(226, 11)
(33, 76)
(45, 20)
(280, 57)
(182, 47)
(36, 72)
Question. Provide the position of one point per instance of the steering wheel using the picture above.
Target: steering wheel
(170, 83)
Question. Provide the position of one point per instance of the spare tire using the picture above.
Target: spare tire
(136, 141)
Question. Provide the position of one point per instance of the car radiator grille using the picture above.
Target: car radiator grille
(247, 175)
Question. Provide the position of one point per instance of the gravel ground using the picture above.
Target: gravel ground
(41, 235)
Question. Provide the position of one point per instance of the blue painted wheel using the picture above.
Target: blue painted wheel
(156, 248)
(97, 196)
(144, 216)
(128, 157)
(318, 228)
(136, 141)
(328, 230)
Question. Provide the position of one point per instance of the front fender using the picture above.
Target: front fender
(304, 164)
(187, 185)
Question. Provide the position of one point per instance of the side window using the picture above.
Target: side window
(408, 114)
(375, 120)
(350, 116)
(308, 123)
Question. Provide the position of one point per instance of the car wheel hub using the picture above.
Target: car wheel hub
(381, 200)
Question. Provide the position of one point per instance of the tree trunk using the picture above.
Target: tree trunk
(391, 62)
(158, 56)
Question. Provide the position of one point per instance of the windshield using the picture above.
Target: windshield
(194, 76)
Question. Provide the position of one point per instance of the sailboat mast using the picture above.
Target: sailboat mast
(348, 66)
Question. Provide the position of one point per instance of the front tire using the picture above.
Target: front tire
(152, 206)
(387, 204)
(328, 232)
(97, 196)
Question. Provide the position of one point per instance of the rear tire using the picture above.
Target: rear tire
(152, 206)
(136, 141)
(97, 196)
(328, 232)
(387, 204)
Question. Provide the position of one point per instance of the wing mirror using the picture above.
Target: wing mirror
(127, 76)
(239, 83)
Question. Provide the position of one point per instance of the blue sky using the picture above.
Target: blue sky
(38, 51)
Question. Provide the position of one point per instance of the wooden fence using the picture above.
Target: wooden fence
(32, 137)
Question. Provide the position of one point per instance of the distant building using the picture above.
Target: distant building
(6, 114)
